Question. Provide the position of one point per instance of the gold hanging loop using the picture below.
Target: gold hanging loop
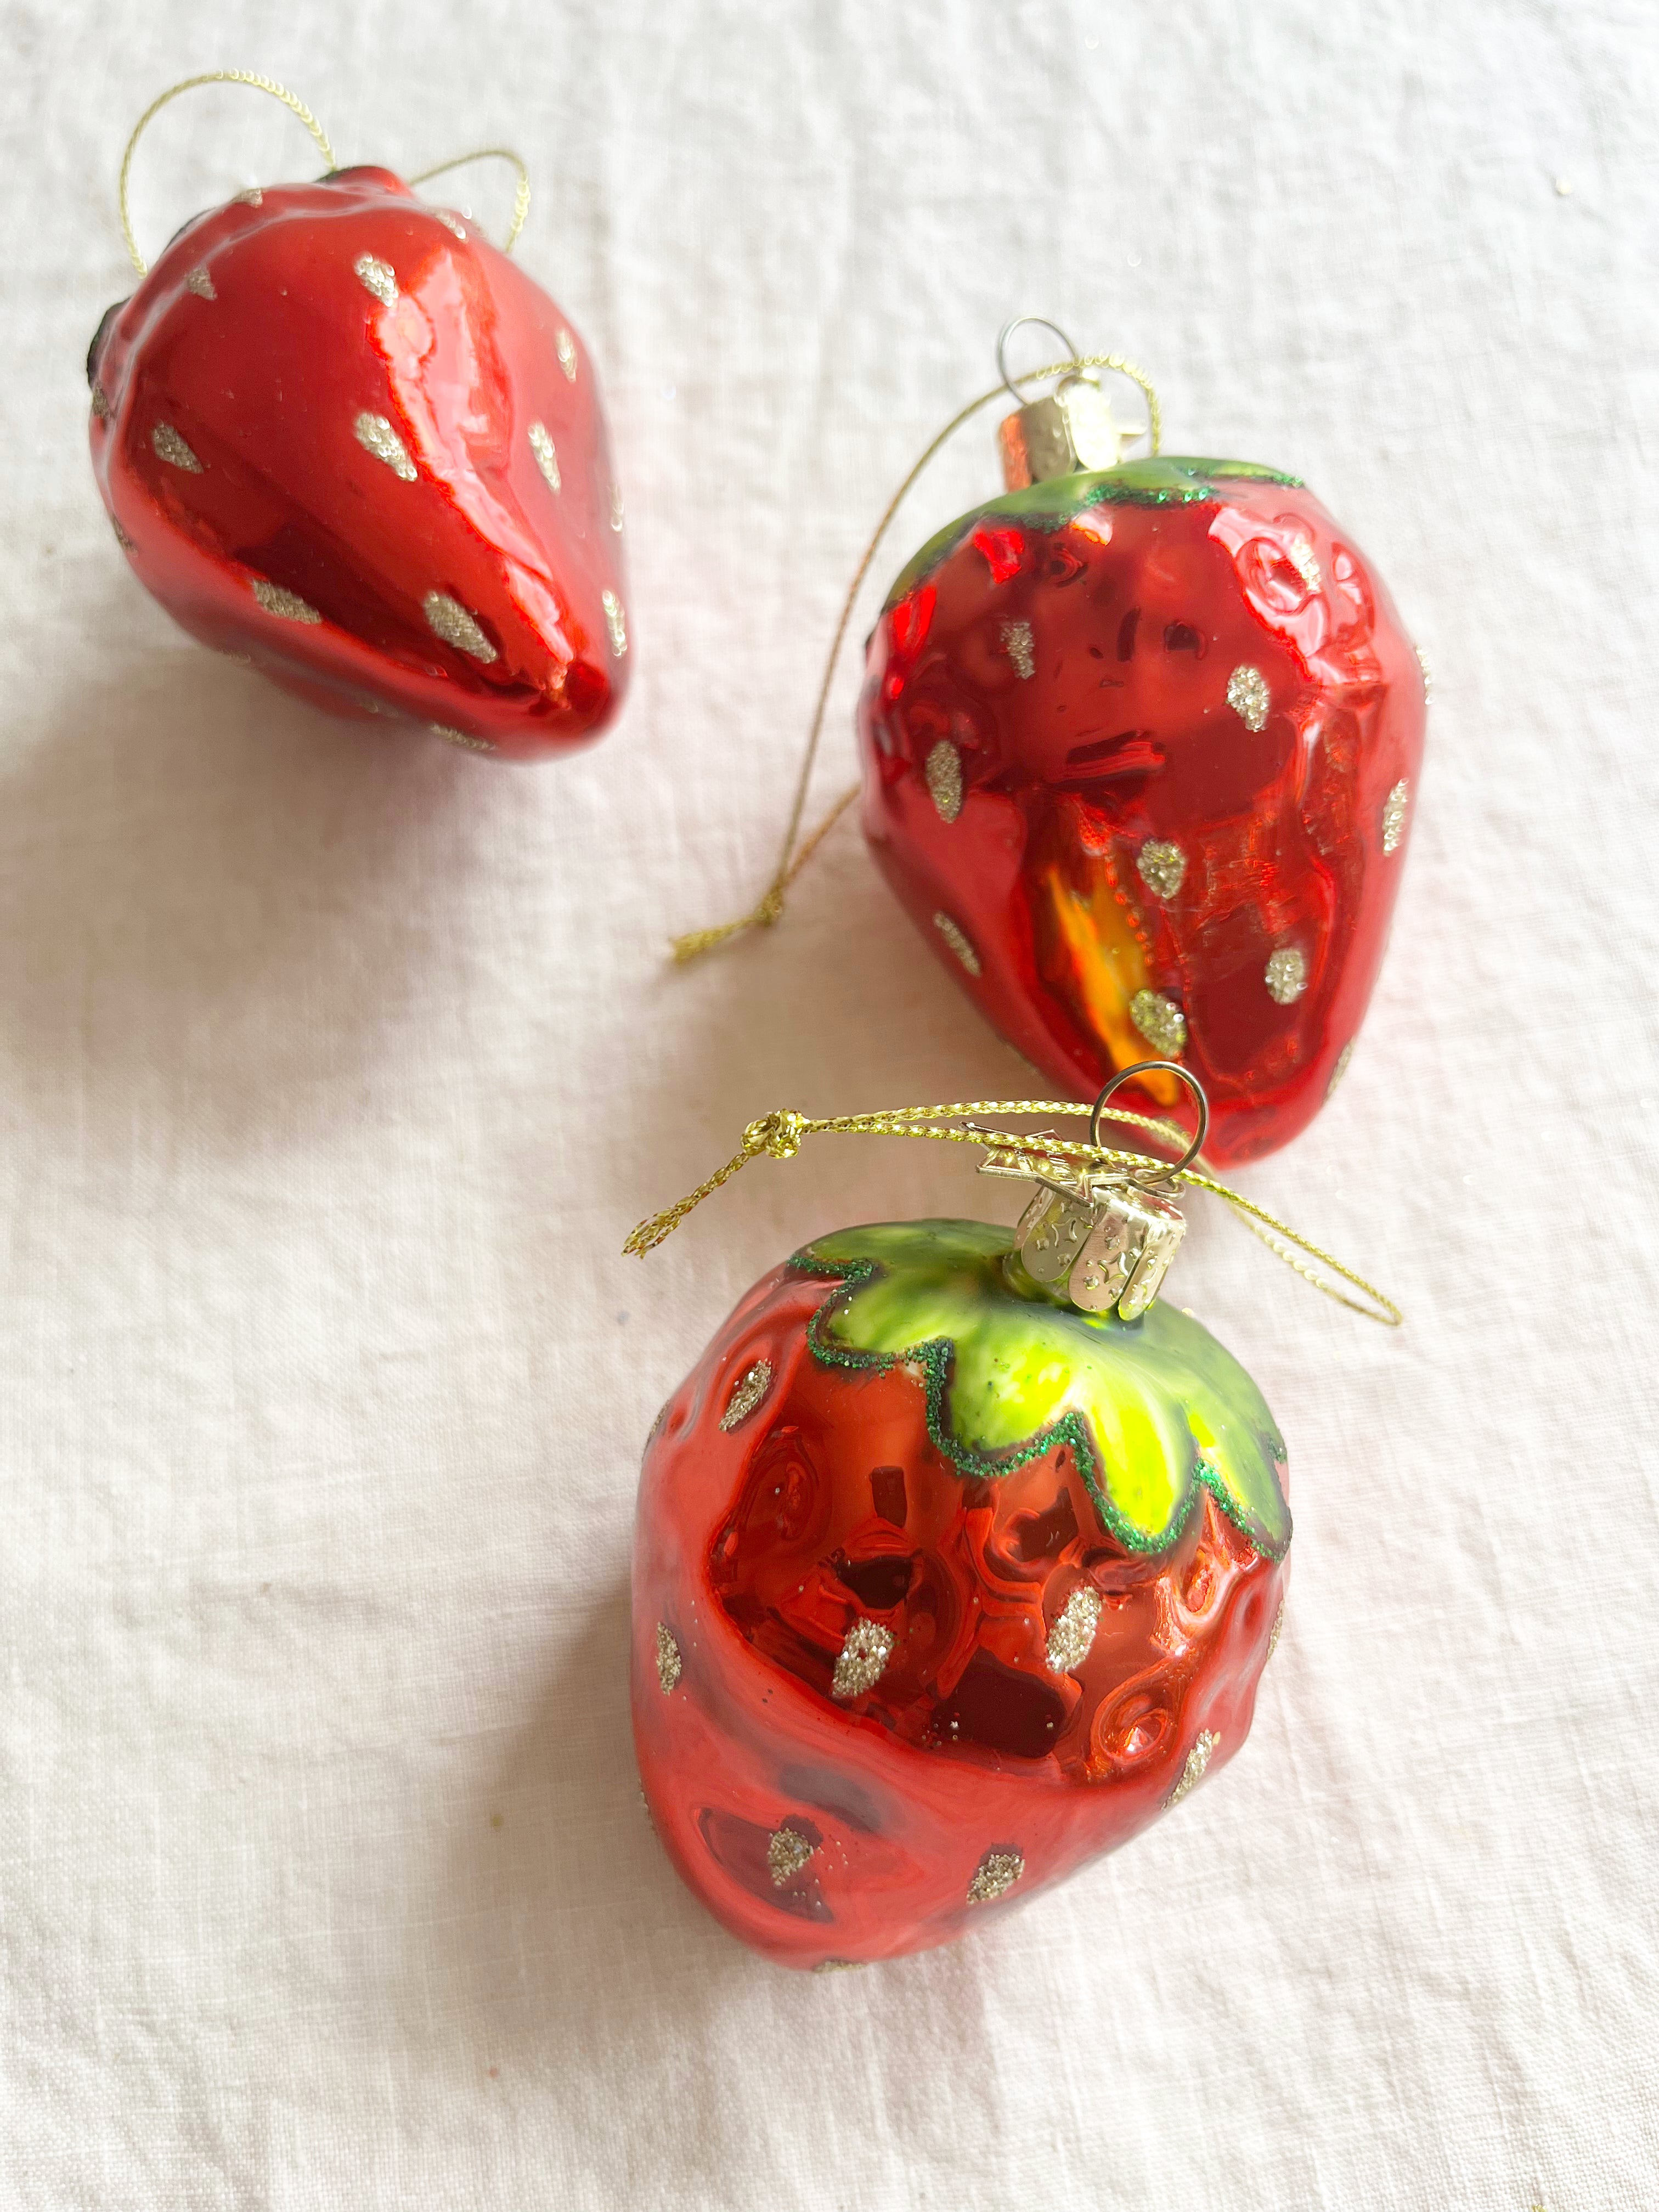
(520, 198)
(769, 906)
(780, 1135)
(188, 84)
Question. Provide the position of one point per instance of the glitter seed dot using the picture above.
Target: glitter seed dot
(252, 197)
(863, 1656)
(449, 619)
(615, 506)
(839, 1965)
(1277, 1627)
(616, 621)
(959, 942)
(565, 346)
(1247, 694)
(121, 538)
(1193, 1772)
(375, 434)
(1287, 974)
(786, 1852)
(546, 460)
(1017, 644)
(1395, 808)
(99, 404)
(1339, 1070)
(751, 1388)
(377, 276)
(994, 1876)
(169, 447)
(451, 222)
(461, 737)
(1160, 1021)
(287, 607)
(1428, 673)
(1305, 562)
(943, 769)
(1163, 867)
(668, 1659)
(1073, 1632)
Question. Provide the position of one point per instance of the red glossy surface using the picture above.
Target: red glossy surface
(758, 1549)
(1138, 616)
(264, 382)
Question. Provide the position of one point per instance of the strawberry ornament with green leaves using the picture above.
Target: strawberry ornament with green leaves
(959, 1555)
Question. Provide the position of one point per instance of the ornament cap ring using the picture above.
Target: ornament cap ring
(1008, 332)
(1161, 1173)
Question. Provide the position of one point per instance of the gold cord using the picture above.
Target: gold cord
(188, 84)
(780, 1135)
(791, 862)
(521, 198)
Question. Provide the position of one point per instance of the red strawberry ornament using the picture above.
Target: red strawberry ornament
(1139, 745)
(342, 436)
(942, 1587)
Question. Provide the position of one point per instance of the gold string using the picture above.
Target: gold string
(770, 906)
(188, 84)
(780, 1136)
(521, 198)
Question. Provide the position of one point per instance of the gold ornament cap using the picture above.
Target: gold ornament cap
(1070, 429)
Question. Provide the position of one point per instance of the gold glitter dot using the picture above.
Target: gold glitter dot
(169, 447)
(1305, 562)
(958, 941)
(453, 736)
(1017, 643)
(750, 1389)
(376, 435)
(252, 197)
(839, 1965)
(786, 1852)
(1340, 1069)
(1247, 694)
(1394, 807)
(1193, 1772)
(1161, 867)
(943, 769)
(377, 276)
(99, 404)
(546, 460)
(994, 1876)
(1160, 1021)
(452, 222)
(863, 1656)
(1277, 1627)
(565, 346)
(288, 605)
(201, 283)
(616, 621)
(1287, 974)
(449, 619)
(1428, 673)
(615, 506)
(668, 1659)
(1073, 1632)
(121, 538)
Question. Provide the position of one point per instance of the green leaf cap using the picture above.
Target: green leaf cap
(1153, 1409)
(1165, 480)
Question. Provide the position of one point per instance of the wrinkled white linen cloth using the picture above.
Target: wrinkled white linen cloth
(336, 1065)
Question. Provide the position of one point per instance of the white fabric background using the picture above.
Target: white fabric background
(334, 1070)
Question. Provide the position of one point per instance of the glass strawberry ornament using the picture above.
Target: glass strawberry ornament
(1139, 742)
(341, 435)
(959, 1557)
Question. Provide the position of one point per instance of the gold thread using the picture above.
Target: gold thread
(520, 198)
(779, 1136)
(770, 906)
(188, 84)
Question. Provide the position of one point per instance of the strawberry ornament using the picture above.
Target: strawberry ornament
(342, 436)
(1139, 742)
(959, 1558)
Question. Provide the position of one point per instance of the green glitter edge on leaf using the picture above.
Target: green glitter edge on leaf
(935, 1356)
(1162, 480)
